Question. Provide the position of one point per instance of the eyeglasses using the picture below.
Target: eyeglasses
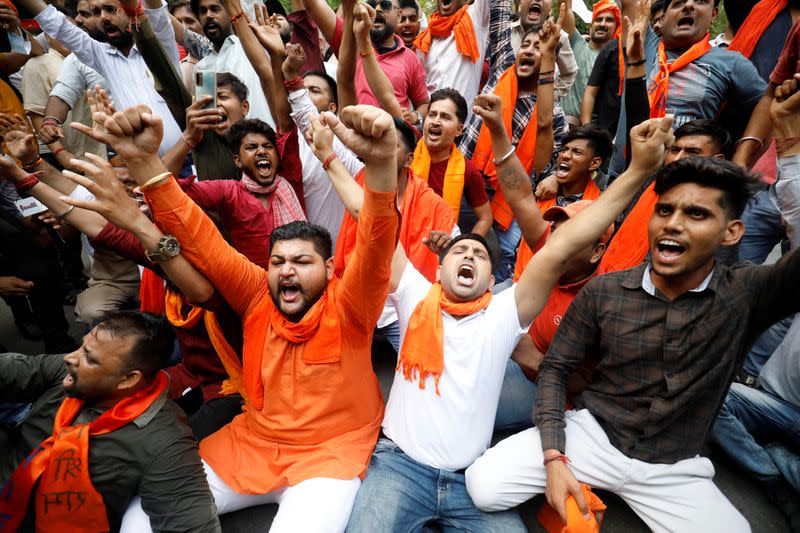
(385, 5)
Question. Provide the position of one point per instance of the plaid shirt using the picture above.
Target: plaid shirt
(663, 367)
(501, 57)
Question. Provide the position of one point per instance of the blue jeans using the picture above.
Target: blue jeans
(516, 400)
(763, 229)
(509, 242)
(400, 494)
(750, 417)
(391, 332)
(765, 345)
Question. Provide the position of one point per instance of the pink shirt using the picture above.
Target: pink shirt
(405, 73)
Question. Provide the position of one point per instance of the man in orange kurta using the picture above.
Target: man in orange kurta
(314, 406)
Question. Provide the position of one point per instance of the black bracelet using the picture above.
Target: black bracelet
(636, 63)
(545, 81)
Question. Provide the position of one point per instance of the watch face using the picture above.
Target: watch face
(172, 248)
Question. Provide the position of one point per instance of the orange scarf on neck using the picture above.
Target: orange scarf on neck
(524, 253)
(319, 331)
(483, 156)
(422, 352)
(453, 188)
(175, 304)
(753, 27)
(65, 498)
(630, 244)
(657, 90)
(459, 24)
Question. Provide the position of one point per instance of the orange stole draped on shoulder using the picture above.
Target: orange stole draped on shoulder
(753, 27)
(422, 211)
(65, 498)
(525, 254)
(453, 188)
(483, 155)
(658, 87)
(151, 293)
(630, 245)
(175, 304)
(459, 24)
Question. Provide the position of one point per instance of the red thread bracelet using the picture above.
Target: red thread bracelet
(236, 18)
(561, 457)
(58, 151)
(328, 161)
(133, 16)
(26, 184)
(295, 84)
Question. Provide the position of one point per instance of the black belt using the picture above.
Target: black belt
(746, 378)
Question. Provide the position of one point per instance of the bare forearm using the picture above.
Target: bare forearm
(587, 105)
(176, 155)
(485, 219)
(52, 177)
(376, 79)
(87, 222)
(323, 15)
(34, 6)
(544, 119)
(279, 103)
(759, 127)
(350, 193)
(346, 71)
(56, 108)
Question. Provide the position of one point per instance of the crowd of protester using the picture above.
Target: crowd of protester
(563, 236)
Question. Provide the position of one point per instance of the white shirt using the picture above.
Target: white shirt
(129, 79)
(323, 205)
(231, 58)
(445, 66)
(73, 80)
(452, 429)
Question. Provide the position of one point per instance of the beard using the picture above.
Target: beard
(122, 40)
(378, 36)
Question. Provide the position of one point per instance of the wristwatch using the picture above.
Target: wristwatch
(167, 248)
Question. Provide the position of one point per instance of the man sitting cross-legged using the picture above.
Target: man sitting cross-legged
(313, 407)
(667, 337)
(100, 432)
(455, 340)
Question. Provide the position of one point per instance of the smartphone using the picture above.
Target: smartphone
(205, 84)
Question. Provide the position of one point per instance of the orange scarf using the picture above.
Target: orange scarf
(65, 498)
(174, 304)
(422, 352)
(459, 24)
(319, 331)
(422, 211)
(453, 188)
(576, 523)
(608, 5)
(483, 155)
(524, 253)
(629, 245)
(657, 91)
(753, 27)
(11, 5)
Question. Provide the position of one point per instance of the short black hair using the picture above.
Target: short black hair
(154, 339)
(668, 2)
(174, 5)
(448, 93)
(406, 134)
(598, 140)
(656, 6)
(249, 125)
(471, 237)
(412, 4)
(736, 183)
(237, 86)
(709, 128)
(332, 87)
(306, 231)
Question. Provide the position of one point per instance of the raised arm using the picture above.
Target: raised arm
(548, 41)
(543, 271)
(785, 116)
(198, 121)
(514, 181)
(379, 84)
(587, 104)
(135, 134)
(346, 71)
(323, 16)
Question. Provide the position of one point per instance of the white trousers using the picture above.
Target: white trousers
(315, 505)
(680, 497)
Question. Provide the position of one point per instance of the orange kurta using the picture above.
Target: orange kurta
(422, 211)
(319, 418)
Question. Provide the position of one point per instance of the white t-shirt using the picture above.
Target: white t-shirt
(445, 66)
(452, 429)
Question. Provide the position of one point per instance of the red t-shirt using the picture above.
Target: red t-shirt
(404, 70)
(474, 184)
(789, 61)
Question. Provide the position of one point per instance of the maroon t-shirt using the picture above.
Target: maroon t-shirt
(474, 184)
(789, 61)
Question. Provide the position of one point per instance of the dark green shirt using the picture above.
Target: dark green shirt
(154, 457)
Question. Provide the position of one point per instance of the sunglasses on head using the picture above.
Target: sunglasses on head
(385, 5)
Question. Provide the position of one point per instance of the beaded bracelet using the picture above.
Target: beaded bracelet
(32, 164)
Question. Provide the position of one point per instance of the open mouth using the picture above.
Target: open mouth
(211, 27)
(263, 166)
(562, 170)
(669, 249)
(290, 292)
(111, 30)
(434, 133)
(446, 4)
(685, 22)
(466, 274)
(69, 380)
(535, 12)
